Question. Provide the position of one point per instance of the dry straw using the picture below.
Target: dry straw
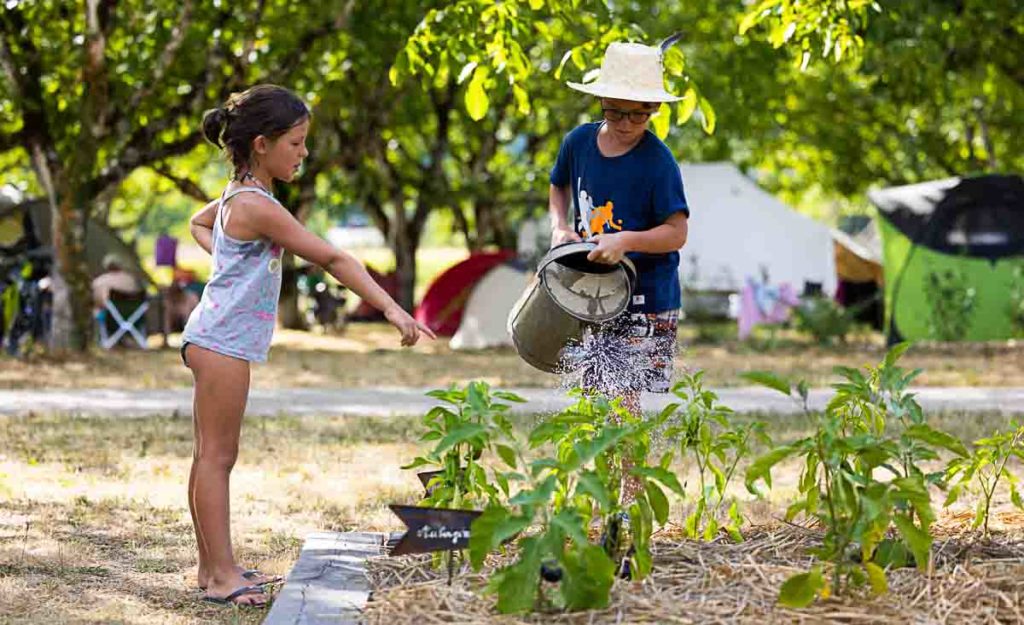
(971, 581)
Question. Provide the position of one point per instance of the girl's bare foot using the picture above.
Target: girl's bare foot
(234, 588)
(252, 577)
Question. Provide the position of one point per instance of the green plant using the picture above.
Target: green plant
(825, 320)
(861, 478)
(1016, 305)
(951, 300)
(475, 423)
(715, 446)
(985, 467)
(559, 495)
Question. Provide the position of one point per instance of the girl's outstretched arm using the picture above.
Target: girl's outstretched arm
(201, 226)
(280, 226)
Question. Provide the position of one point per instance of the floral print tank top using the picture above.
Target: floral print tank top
(238, 310)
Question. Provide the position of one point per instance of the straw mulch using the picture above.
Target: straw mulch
(972, 581)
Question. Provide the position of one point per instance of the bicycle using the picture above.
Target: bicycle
(26, 300)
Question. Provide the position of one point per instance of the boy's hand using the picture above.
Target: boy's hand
(610, 248)
(563, 235)
(409, 327)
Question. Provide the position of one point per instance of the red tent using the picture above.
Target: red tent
(366, 312)
(445, 299)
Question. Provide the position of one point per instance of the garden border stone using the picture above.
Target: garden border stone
(328, 584)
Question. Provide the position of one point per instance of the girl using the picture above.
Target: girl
(263, 131)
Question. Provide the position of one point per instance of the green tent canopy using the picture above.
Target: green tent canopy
(968, 228)
(26, 225)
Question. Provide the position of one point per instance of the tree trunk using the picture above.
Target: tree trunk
(288, 311)
(404, 248)
(72, 327)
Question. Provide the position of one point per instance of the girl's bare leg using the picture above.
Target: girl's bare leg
(221, 390)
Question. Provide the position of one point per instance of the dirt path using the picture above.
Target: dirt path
(400, 401)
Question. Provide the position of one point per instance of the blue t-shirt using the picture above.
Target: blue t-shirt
(635, 191)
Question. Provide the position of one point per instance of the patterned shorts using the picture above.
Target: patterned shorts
(634, 353)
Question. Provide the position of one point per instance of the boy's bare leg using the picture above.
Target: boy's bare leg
(221, 391)
(630, 483)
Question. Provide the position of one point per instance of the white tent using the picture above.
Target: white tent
(737, 228)
(486, 313)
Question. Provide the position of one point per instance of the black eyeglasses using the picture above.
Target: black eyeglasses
(635, 117)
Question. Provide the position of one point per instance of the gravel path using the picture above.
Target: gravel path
(412, 401)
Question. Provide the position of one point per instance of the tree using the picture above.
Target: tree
(98, 92)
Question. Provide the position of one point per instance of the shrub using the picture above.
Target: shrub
(983, 469)
(861, 479)
(951, 300)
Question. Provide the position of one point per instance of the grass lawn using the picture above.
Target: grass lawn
(94, 525)
(369, 355)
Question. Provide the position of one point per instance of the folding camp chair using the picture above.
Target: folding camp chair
(123, 315)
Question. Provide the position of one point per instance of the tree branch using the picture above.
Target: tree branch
(167, 57)
(116, 171)
(297, 54)
(9, 141)
(429, 191)
(35, 131)
(186, 185)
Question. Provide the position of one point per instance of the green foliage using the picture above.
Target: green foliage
(833, 26)
(984, 468)
(475, 423)
(1016, 305)
(825, 320)
(595, 443)
(951, 300)
(861, 477)
(511, 46)
(715, 446)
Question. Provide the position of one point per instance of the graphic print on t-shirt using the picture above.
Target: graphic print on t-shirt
(593, 220)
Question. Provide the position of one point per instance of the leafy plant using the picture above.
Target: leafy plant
(1016, 305)
(825, 320)
(475, 422)
(861, 478)
(952, 301)
(593, 441)
(715, 446)
(984, 468)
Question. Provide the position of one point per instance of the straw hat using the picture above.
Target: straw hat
(629, 71)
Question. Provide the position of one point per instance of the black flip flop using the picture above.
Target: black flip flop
(251, 574)
(238, 592)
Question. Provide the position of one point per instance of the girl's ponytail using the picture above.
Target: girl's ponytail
(214, 123)
(266, 110)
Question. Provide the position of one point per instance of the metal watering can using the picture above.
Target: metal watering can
(569, 294)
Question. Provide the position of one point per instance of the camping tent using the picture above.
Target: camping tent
(446, 297)
(485, 318)
(737, 229)
(27, 224)
(972, 227)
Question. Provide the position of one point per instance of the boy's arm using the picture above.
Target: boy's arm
(558, 207)
(668, 237)
(201, 226)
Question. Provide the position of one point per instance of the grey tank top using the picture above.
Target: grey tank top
(238, 310)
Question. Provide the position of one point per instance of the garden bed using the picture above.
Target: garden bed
(972, 580)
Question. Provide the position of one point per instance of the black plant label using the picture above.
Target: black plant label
(425, 477)
(433, 529)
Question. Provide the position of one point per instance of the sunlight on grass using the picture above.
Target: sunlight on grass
(99, 505)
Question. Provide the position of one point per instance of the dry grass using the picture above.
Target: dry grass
(94, 525)
(369, 355)
(722, 582)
